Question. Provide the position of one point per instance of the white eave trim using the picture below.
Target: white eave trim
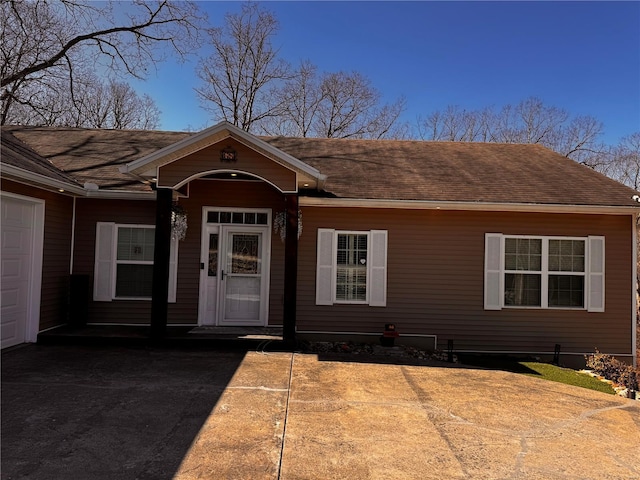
(11, 172)
(120, 194)
(27, 177)
(473, 206)
(246, 138)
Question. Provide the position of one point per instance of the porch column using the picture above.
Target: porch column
(290, 269)
(161, 258)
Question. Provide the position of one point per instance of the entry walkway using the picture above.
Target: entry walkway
(74, 412)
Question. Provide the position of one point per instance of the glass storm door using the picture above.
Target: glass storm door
(242, 276)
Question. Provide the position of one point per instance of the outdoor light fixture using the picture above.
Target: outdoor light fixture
(228, 155)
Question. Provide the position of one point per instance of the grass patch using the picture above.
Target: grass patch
(568, 376)
(545, 371)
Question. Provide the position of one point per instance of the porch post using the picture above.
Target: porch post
(161, 258)
(290, 268)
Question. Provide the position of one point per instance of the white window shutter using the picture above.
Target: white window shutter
(325, 275)
(493, 277)
(378, 269)
(595, 295)
(104, 262)
(173, 271)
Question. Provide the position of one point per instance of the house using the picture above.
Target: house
(494, 247)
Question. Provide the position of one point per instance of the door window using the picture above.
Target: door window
(213, 255)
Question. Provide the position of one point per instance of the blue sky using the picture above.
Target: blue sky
(580, 56)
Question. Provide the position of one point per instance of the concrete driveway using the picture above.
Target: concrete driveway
(115, 413)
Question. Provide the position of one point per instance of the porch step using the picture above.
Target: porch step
(258, 333)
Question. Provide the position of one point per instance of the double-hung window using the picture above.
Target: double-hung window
(544, 272)
(134, 261)
(124, 262)
(351, 267)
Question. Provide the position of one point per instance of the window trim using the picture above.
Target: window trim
(494, 266)
(326, 267)
(336, 234)
(117, 262)
(107, 293)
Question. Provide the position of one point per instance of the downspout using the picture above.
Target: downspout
(634, 296)
(73, 235)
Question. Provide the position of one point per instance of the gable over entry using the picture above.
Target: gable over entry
(228, 152)
(225, 148)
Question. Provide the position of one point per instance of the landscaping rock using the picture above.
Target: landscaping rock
(355, 348)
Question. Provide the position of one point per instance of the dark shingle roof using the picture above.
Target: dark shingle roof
(94, 155)
(15, 153)
(360, 169)
(454, 171)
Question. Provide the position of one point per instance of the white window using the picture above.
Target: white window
(124, 262)
(351, 267)
(544, 272)
(134, 261)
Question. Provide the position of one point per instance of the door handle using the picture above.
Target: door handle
(222, 275)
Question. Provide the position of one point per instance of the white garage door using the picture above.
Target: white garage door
(21, 259)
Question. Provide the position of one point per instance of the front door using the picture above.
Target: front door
(234, 280)
(241, 277)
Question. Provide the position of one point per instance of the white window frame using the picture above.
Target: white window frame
(327, 269)
(117, 262)
(335, 267)
(495, 271)
(108, 267)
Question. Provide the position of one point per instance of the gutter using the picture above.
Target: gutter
(89, 190)
(21, 174)
(469, 206)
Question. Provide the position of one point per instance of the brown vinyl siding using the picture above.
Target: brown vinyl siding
(208, 159)
(214, 193)
(435, 276)
(88, 213)
(56, 255)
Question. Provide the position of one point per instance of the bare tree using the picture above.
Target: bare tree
(44, 44)
(530, 121)
(237, 76)
(298, 100)
(579, 140)
(456, 125)
(624, 161)
(92, 104)
(333, 105)
(113, 105)
(350, 108)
